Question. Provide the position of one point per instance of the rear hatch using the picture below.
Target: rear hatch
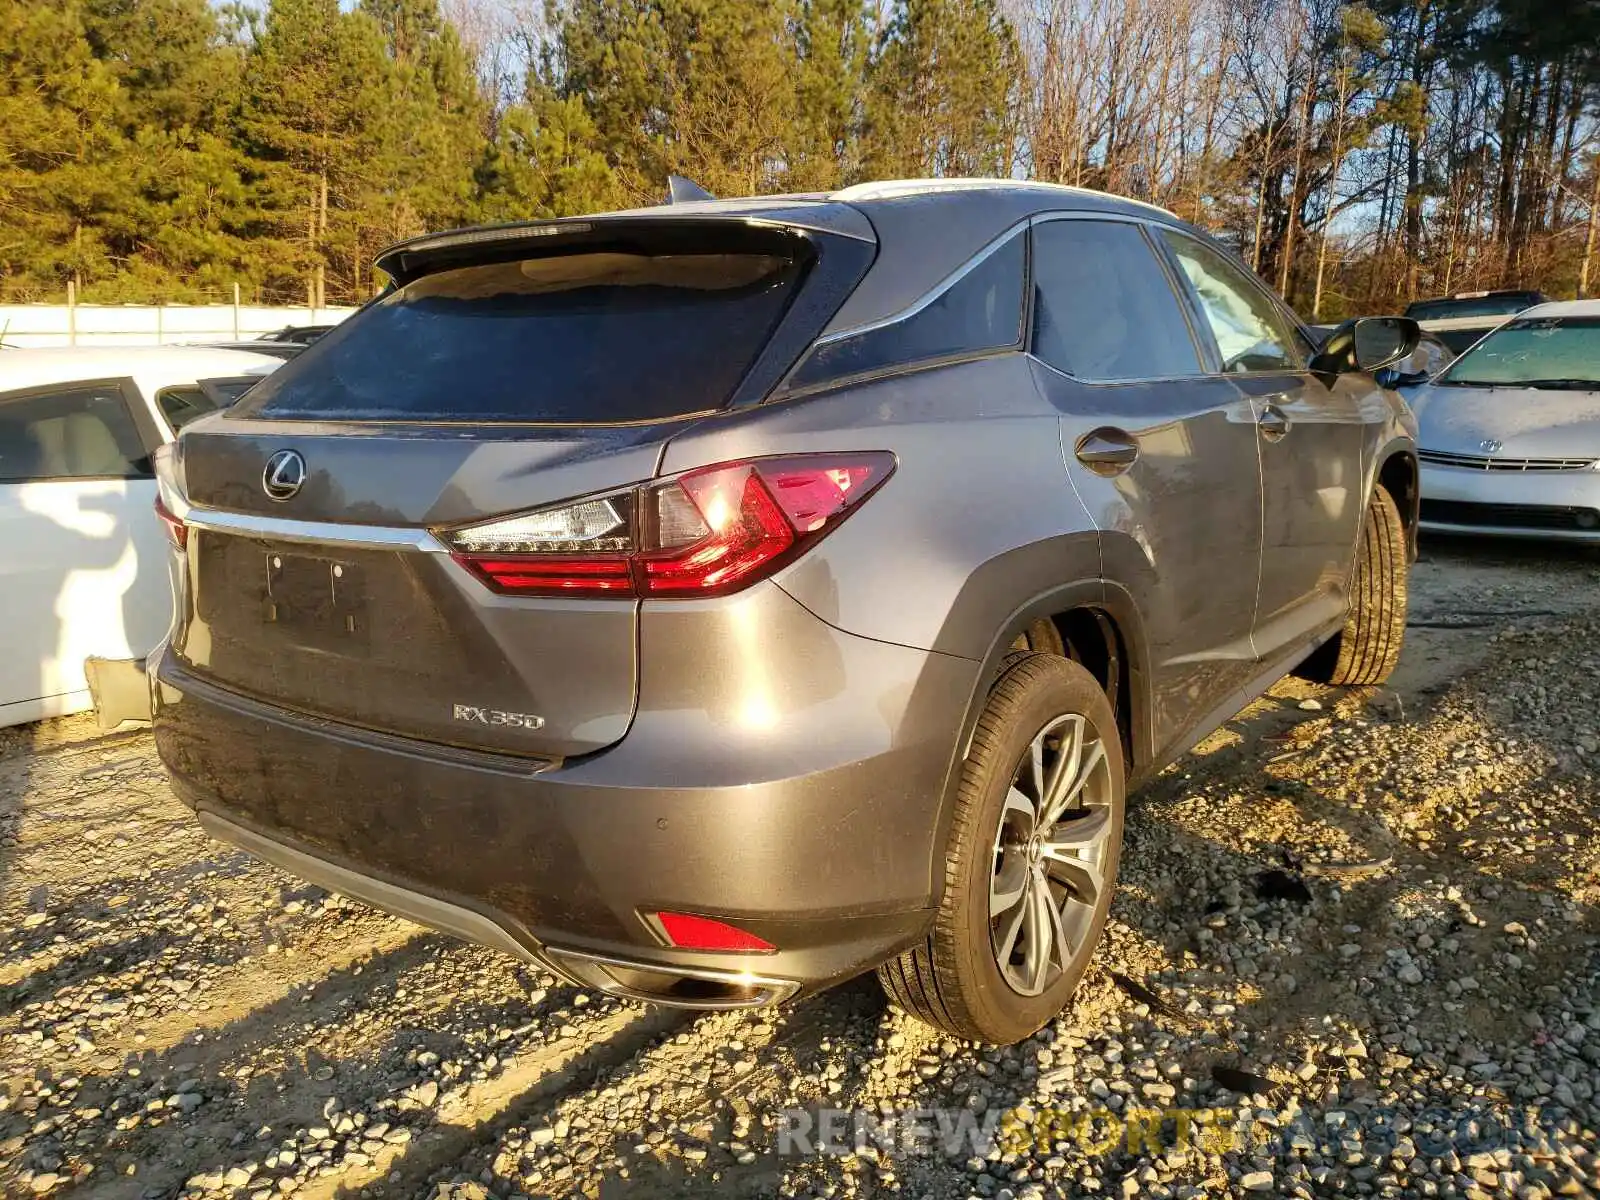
(509, 371)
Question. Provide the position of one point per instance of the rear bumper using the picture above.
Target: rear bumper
(714, 988)
(823, 847)
(1545, 505)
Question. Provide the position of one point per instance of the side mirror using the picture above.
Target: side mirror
(1393, 377)
(1381, 341)
(1367, 344)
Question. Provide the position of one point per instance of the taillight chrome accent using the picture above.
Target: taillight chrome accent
(707, 532)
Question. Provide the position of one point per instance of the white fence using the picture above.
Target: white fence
(149, 325)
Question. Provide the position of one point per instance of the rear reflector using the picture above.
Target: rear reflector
(177, 531)
(707, 532)
(687, 932)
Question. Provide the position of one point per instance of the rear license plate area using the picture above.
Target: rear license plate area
(318, 603)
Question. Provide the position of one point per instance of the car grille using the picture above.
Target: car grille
(1478, 462)
(1510, 516)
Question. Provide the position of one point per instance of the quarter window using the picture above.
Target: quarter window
(982, 310)
(82, 431)
(1251, 334)
(1103, 308)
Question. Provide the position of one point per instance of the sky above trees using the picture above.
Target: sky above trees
(1356, 154)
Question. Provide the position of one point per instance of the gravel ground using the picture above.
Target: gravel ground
(1358, 937)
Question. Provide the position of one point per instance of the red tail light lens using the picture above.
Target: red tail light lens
(745, 530)
(177, 531)
(687, 932)
(704, 533)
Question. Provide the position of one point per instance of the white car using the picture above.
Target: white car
(1510, 432)
(83, 558)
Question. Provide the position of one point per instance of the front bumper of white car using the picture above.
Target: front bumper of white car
(1531, 499)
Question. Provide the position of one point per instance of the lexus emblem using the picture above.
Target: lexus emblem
(1489, 446)
(285, 475)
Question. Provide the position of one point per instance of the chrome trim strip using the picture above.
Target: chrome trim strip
(768, 990)
(1481, 462)
(324, 533)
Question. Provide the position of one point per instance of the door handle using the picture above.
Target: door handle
(1274, 423)
(1108, 451)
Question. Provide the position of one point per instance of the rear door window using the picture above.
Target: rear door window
(579, 338)
(980, 310)
(1103, 307)
(74, 431)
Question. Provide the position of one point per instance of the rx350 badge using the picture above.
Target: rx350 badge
(495, 717)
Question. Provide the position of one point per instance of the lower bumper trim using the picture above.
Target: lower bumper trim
(702, 988)
(402, 902)
(1533, 518)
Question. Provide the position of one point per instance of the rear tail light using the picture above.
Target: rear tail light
(177, 531)
(684, 931)
(704, 533)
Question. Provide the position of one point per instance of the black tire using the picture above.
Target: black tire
(1041, 637)
(1365, 651)
(953, 980)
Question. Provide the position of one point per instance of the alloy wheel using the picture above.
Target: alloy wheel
(1050, 853)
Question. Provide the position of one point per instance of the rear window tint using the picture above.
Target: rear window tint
(574, 338)
(982, 310)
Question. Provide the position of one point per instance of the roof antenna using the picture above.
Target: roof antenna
(681, 190)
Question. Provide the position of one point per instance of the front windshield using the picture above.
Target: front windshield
(1534, 352)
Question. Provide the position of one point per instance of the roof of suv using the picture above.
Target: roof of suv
(924, 229)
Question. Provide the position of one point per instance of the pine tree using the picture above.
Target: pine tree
(438, 121)
(316, 118)
(174, 222)
(545, 162)
(942, 92)
(832, 41)
(58, 133)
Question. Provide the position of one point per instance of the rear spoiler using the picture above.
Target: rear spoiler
(432, 252)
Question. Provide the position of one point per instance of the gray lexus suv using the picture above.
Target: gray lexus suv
(712, 602)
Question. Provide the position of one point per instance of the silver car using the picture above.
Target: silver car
(1510, 432)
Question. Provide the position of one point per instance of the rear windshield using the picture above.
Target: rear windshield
(1477, 306)
(574, 338)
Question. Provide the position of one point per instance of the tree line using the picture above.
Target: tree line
(1357, 154)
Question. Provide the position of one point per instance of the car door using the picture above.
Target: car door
(1162, 452)
(82, 562)
(1310, 439)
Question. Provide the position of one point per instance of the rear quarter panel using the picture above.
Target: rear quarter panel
(978, 517)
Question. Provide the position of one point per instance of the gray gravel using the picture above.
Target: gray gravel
(1365, 925)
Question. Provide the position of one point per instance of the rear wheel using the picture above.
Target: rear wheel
(1031, 861)
(1041, 637)
(1366, 650)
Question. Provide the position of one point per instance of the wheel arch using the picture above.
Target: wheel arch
(1399, 475)
(1101, 628)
